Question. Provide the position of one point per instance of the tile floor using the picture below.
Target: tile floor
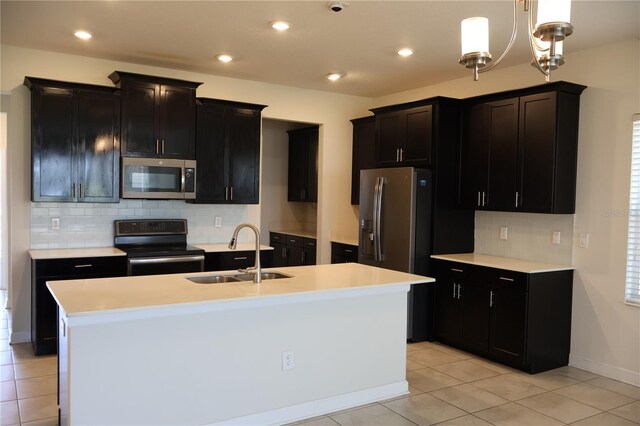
(448, 387)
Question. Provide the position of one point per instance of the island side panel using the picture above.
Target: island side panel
(215, 366)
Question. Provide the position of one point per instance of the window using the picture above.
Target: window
(632, 290)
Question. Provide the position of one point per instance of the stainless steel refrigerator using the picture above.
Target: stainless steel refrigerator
(395, 232)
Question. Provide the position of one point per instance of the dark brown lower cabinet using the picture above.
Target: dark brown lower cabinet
(230, 260)
(292, 250)
(44, 310)
(343, 253)
(522, 320)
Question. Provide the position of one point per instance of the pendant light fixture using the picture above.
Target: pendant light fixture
(545, 39)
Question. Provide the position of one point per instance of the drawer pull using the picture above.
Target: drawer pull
(86, 265)
(240, 258)
(456, 270)
(507, 279)
(348, 251)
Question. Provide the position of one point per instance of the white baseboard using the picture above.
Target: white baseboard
(20, 337)
(324, 406)
(611, 371)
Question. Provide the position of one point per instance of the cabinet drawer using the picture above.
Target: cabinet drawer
(82, 267)
(295, 241)
(275, 237)
(509, 279)
(344, 250)
(309, 243)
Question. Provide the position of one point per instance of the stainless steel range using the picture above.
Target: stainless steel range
(157, 246)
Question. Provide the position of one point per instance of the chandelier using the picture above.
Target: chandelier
(545, 38)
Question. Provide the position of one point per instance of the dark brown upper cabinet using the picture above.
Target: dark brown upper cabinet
(520, 148)
(303, 165)
(227, 152)
(403, 135)
(158, 116)
(364, 154)
(74, 142)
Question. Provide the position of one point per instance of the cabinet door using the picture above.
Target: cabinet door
(53, 144)
(140, 103)
(297, 166)
(211, 177)
(309, 248)
(448, 326)
(537, 152)
(364, 137)
(419, 128)
(243, 141)
(508, 315)
(295, 256)
(176, 122)
(98, 147)
(475, 156)
(503, 154)
(475, 315)
(312, 167)
(279, 254)
(390, 128)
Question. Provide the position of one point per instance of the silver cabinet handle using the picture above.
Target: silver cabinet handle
(348, 251)
(162, 146)
(491, 299)
(81, 190)
(459, 286)
(456, 270)
(454, 290)
(226, 192)
(478, 199)
(507, 279)
(302, 257)
(73, 190)
(240, 258)
(397, 155)
(175, 259)
(401, 154)
(85, 265)
(231, 192)
(157, 146)
(516, 198)
(484, 199)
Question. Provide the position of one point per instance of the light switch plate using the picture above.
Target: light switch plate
(218, 222)
(288, 361)
(504, 232)
(584, 240)
(555, 237)
(55, 223)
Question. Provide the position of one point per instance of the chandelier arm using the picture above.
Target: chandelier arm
(514, 33)
(532, 45)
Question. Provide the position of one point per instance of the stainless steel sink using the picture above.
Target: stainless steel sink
(265, 276)
(214, 279)
(219, 279)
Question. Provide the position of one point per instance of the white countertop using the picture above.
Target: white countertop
(347, 241)
(210, 248)
(42, 254)
(296, 232)
(507, 263)
(108, 295)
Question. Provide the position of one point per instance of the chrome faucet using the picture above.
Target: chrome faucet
(255, 270)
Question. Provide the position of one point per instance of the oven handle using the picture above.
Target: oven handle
(173, 259)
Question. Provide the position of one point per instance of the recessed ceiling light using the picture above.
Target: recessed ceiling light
(85, 35)
(335, 76)
(224, 58)
(405, 52)
(280, 25)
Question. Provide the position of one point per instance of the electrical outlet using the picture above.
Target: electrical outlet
(504, 232)
(218, 222)
(55, 223)
(288, 361)
(555, 237)
(584, 240)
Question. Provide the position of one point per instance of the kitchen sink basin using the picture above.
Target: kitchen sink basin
(214, 279)
(265, 276)
(219, 279)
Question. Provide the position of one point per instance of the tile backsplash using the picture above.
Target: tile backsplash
(91, 224)
(529, 236)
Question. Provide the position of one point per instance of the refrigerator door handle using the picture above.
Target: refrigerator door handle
(379, 220)
(375, 219)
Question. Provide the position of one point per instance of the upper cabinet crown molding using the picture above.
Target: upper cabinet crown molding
(118, 76)
(32, 82)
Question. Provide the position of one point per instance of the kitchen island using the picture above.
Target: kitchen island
(165, 350)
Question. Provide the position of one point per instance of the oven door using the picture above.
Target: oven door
(157, 178)
(165, 265)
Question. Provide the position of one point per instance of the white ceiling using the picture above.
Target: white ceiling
(360, 41)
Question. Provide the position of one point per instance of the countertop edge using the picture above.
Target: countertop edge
(536, 267)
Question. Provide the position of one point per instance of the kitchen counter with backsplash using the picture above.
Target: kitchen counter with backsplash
(506, 263)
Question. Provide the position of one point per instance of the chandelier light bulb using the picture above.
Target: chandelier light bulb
(475, 35)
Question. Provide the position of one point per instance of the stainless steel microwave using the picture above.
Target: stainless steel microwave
(158, 178)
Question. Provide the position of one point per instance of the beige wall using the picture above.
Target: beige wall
(332, 111)
(605, 331)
